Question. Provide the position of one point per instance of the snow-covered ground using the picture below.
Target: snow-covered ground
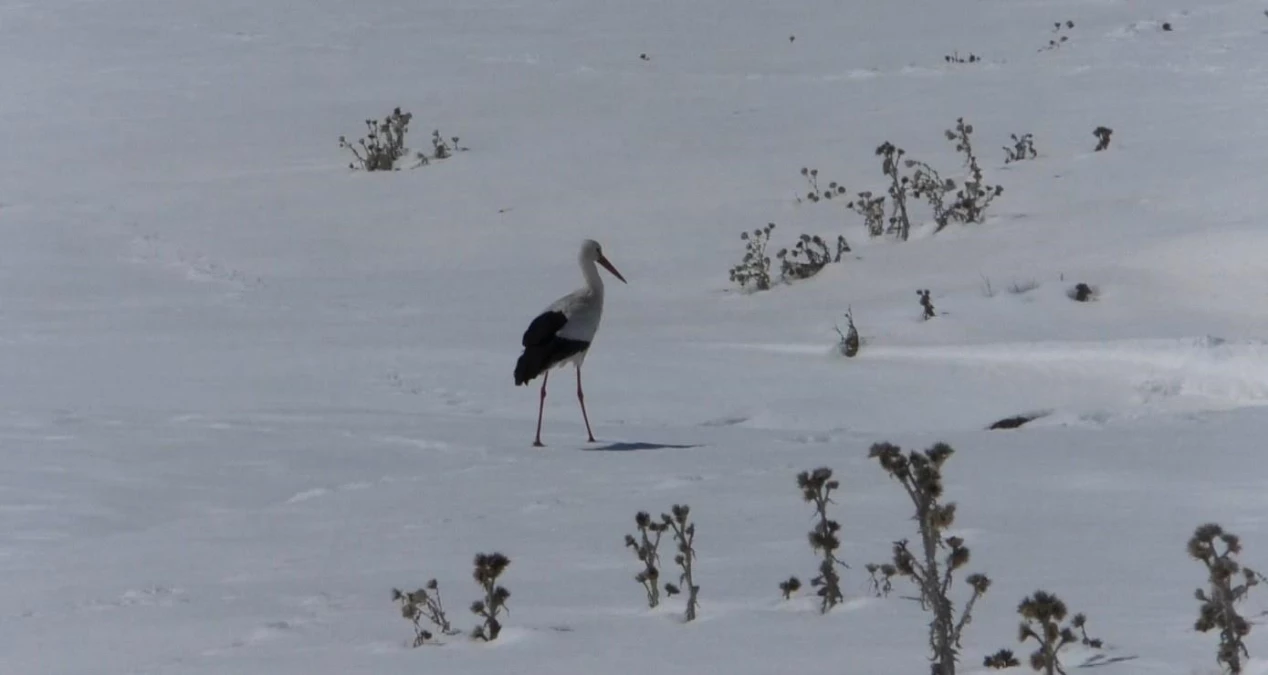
(247, 391)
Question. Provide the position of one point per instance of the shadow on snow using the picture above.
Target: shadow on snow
(633, 446)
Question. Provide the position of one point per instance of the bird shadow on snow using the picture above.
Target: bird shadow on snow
(634, 446)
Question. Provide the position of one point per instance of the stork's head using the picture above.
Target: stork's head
(592, 252)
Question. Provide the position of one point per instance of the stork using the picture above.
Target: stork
(562, 334)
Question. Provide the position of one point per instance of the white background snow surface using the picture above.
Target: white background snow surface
(247, 391)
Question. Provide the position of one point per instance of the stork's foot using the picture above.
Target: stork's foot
(538, 444)
(592, 440)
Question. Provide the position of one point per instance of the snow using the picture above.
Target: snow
(248, 391)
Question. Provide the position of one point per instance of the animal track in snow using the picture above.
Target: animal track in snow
(153, 596)
(1224, 374)
(1134, 29)
(310, 610)
(307, 495)
(269, 631)
(814, 438)
(419, 443)
(448, 400)
(549, 503)
(678, 482)
(314, 493)
(151, 249)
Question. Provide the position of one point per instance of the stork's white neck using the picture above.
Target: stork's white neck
(590, 271)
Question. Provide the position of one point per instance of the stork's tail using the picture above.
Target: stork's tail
(534, 361)
(538, 358)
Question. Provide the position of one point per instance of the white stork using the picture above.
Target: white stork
(562, 334)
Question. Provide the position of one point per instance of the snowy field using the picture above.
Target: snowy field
(246, 391)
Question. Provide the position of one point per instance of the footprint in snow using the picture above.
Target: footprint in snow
(679, 482)
(314, 493)
(813, 438)
(154, 596)
(419, 443)
(152, 250)
(307, 495)
(315, 609)
(549, 503)
(269, 631)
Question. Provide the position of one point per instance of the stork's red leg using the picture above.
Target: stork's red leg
(581, 397)
(537, 442)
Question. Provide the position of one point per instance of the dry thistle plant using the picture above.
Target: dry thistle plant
(645, 549)
(926, 304)
(848, 345)
(816, 488)
(789, 586)
(1102, 138)
(1080, 622)
(488, 567)
(899, 185)
(956, 58)
(1223, 592)
(1001, 659)
(872, 208)
(684, 533)
(1082, 292)
(880, 578)
(1042, 614)
(1060, 39)
(442, 149)
(927, 184)
(920, 475)
(975, 196)
(815, 194)
(1023, 148)
(383, 144)
(420, 604)
(754, 268)
(808, 257)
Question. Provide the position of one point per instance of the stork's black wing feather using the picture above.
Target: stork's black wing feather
(543, 328)
(543, 348)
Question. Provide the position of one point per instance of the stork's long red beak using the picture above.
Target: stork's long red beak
(608, 266)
